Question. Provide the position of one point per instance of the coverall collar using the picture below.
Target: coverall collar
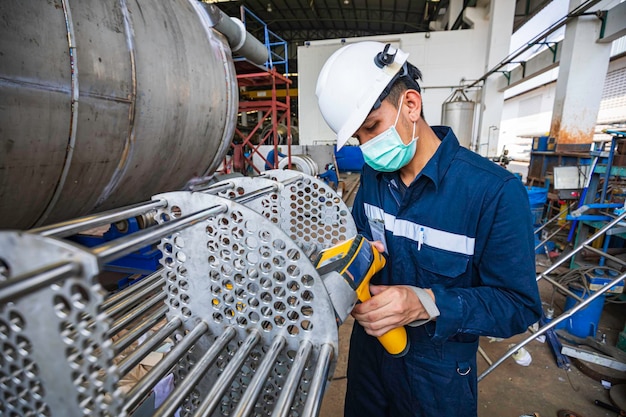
(438, 165)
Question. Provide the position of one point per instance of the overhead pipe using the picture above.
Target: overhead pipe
(240, 40)
(574, 14)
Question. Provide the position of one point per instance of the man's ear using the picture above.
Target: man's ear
(413, 100)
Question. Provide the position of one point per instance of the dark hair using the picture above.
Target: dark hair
(407, 78)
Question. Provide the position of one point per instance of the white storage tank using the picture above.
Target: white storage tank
(458, 113)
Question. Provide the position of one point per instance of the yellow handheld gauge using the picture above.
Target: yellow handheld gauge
(357, 260)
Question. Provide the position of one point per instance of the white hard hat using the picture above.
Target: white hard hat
(352, 80)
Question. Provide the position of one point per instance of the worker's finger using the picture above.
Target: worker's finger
(379, 328)
(380, 247)
(391, 307)
(377, 289)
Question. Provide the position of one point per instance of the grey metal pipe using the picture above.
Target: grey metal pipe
(143, 387)
(110, 251)
(574, 14)
(289, 389)
(134, 334)
(28, 283)
(130, 290)
(249, 398)
(242, 199)
(213, 398)
(553, 324)
(135, 313)
(239, 39)
(295, 178)
(318, 382)
(606, 255)
(71, 227)
(216, 188)
(128, 302)
(580, 247)
(177, 396)
(148, 346)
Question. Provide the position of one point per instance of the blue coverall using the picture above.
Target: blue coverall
(462, 228)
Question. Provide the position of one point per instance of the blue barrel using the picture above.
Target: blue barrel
(537, 198)
(585, 322)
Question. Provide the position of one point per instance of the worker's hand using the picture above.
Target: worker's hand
(390, 307)
(380, 247)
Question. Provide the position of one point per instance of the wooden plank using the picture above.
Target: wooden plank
(593, 357)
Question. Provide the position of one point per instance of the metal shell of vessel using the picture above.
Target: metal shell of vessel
(458, 113)
(104, 103)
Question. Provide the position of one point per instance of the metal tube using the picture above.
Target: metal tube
(543, 242)
(71, 227)
(143, 387)
(128, 302)
(25, 284)
(177, 396)
(130, 361)
(295, 178)
(562, 288)
(553, 324)
(213, 397)
(318, 382)
(283, 403)
(244, 198)
(109, 251)
(582, 245)
(250, 396)
(543, 35)
(216, 188)
(123, 322)
(255, 194)
(128, 339)
(554, 218)
(115, 298)
(239, 39)
(606, 255)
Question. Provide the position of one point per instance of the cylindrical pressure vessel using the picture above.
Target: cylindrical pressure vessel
(105, 103)
(458, 113)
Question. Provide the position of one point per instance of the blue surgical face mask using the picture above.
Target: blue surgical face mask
(386, 152)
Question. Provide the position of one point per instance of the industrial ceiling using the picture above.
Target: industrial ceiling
(297, 21)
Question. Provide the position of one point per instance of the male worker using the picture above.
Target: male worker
(456, 229)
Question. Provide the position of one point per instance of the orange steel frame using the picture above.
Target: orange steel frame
(276, 110)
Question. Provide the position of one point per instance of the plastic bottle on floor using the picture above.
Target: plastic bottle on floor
(522, 357)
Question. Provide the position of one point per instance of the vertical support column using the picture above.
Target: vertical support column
(501, 15)
(583, 66)
(455, 7)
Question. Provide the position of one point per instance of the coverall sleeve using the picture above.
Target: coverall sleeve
(504, 300)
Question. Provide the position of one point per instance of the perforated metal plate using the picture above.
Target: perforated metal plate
(55, 357)
(312, 213)
(267, 204)
(240, 270)
(235, 274)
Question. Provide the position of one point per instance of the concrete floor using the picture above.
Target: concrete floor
(512, 390)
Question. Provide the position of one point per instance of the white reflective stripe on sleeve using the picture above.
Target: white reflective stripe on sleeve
(434, 238)
(377, 214)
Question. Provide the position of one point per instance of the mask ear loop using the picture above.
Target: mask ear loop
(399, 110)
